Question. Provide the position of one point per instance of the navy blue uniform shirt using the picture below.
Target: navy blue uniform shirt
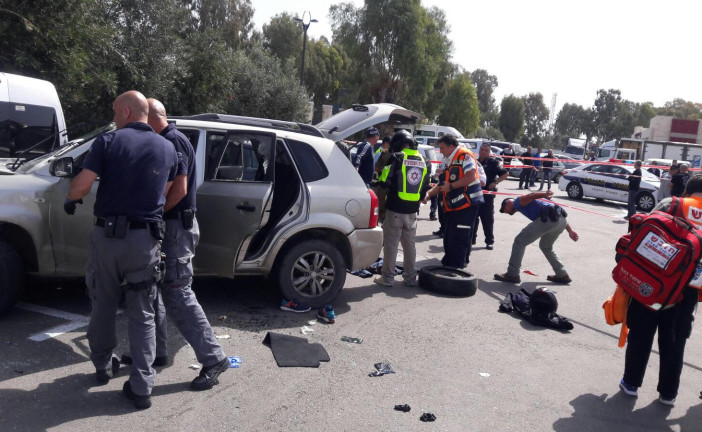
(493, 170)
(134, 164)
(364, 161)
(533, 209)
(186, 164)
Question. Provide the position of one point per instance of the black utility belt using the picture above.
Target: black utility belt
(119, 226)
(107, 222)
(178, 214)
(186, 216)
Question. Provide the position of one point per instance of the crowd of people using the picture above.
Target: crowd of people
(462, 191)
(462, 187)
(146, 233)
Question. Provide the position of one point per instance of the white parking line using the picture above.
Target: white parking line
(76, 321)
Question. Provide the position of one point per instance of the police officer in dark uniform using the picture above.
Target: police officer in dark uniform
(494, 174)
(407, 181)
(527, 168)
(182, 235)
(136, 168)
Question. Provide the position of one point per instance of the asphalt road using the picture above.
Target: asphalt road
(458, 358)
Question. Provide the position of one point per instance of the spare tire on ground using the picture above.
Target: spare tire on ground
(448, 280)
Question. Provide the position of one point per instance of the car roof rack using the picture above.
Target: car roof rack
(254, 121)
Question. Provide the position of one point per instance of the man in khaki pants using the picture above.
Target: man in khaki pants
(408, 181)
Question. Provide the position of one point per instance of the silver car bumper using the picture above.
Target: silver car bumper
(366, 245)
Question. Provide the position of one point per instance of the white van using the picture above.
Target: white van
(429, 130)
(30, 115)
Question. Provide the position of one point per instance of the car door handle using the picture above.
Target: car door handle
(246, 207)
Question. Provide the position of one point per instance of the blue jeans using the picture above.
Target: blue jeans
(546, 175)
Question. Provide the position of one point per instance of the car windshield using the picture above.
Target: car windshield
(27, 166)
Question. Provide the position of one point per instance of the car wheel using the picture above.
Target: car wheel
(312, 272)
(645, 202)
(574, 190)
(448, 280)
(11, 276)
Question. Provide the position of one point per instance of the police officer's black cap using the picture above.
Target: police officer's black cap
(372, 131)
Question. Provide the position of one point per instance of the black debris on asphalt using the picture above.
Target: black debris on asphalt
(382, 369)
(403, 408)
(427, 417)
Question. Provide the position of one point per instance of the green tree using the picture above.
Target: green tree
(325, 67)
(511, 120)
(485, 85)
(680, 108)
(488, 132)
(460, 106)
(262, 88)
(644, 113)
(435, 100)
(569, 121)
(150, 39)
(606, 113)
(66, 42)
(535, 120)
(231, 18)
(206, 85)
(283, 37)
(395, 47)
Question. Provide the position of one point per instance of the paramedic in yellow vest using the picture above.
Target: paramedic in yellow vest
(408, 182)
(674, 324)
(462, 197)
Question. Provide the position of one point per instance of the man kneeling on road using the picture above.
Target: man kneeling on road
(548, 221)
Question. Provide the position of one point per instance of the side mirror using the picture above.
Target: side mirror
(62, 167)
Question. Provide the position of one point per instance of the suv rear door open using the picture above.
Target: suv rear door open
(236, 193)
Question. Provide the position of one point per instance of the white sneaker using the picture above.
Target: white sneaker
(664, 401)
(380, 280)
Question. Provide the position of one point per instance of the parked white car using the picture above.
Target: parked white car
(602, 181)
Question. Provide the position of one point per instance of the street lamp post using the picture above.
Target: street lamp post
(306, 20)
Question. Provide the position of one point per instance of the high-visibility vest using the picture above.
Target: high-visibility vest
(690, 208)
(461, 198)
(414, 170)
(377, 154)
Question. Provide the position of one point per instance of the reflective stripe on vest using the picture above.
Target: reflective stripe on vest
(414, 169)
(459, 199)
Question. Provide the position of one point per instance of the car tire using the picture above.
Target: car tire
(11, 276)
(645, 202)
(448, 280)
(574, 190)
(311, 272)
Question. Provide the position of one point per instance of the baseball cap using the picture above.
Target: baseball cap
(372, 131)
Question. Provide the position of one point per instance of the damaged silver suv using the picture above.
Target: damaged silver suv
(274, 198)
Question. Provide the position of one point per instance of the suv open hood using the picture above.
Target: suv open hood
(360, 117)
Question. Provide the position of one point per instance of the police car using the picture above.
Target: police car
(606, 181)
